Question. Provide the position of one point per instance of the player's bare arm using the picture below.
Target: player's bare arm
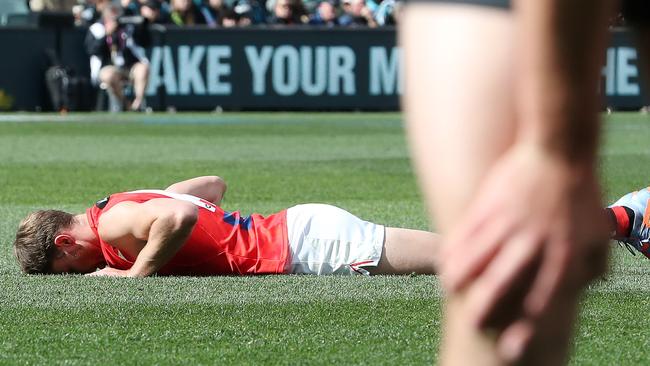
(152, 231)
(210, 188)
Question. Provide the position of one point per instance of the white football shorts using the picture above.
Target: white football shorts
(325, 239)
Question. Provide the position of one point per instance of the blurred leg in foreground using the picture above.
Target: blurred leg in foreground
(502, 119)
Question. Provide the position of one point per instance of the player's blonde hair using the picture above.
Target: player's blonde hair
(34, 246)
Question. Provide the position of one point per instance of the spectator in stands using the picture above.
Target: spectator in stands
(134, 7)
(373, 5)
(241, 15)
(130, 7)
(213, 12)
(230, 19)
(288, 12)
(325, 14)
(92, 11)
(388, 12)
(250, 11)
(357, 14)
(185, 13)
(311, 6)
(115, 58)
(51, 5)
(153, 11)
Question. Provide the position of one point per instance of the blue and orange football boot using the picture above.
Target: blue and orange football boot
(632, 213)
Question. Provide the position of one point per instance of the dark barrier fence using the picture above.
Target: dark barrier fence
(262, 69)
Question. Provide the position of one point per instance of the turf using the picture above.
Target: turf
(271, 161)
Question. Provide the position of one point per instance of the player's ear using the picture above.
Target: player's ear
(63, 240)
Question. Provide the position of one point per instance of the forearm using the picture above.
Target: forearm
(560, 46)
(210, 188)
(166, 236)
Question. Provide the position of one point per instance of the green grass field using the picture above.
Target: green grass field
(271, 161)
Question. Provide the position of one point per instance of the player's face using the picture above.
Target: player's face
(77, 258)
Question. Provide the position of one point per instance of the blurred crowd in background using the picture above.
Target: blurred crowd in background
(242, 13)
(236, 13)
(119, 33)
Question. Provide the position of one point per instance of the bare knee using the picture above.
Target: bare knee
(110, 76)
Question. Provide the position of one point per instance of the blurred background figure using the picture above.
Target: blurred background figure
(90, 11)
(240, 13)
(250, 12)
(243, 15)
(325, 14)
(357, 14)
(115, 59)
(311, 5)
(287, 12)
(50, 5)
(130, 7)
(214, 11)
(153, 12)
(388, 12)
(185, 13)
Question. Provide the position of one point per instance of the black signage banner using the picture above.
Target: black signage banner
(23, 61)
(267, 69)
(276, 69)
(621, 84)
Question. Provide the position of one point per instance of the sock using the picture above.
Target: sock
(624, 218)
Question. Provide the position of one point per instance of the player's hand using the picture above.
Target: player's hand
(109, 271)
(535, 232)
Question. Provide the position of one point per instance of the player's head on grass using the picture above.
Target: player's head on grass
(46, 244)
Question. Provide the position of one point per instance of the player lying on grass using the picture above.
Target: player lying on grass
(182, 231)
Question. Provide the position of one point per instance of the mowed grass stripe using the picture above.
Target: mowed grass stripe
(63, 292)
(386, 179)
(140, 148)
(294, 333)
